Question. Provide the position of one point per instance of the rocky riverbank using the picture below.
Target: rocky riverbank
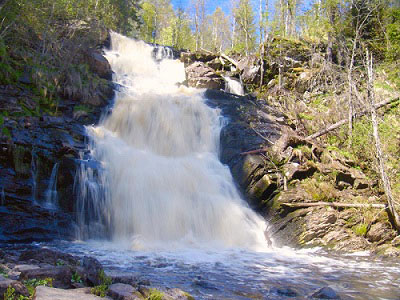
(311, 194)
(29, 272)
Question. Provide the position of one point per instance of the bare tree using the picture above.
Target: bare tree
(393, 215)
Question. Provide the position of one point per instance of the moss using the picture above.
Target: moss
(360, 229)
(155, 294)
(21, 159)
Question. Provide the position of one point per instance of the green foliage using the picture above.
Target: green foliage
(319, 191)
(31, 284)
(360, 229)
(76, 278)
(102, 288)
(155, 295)
(245, 35)
(393, 32)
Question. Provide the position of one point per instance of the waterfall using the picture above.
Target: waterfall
(233, 86)
(160, 180)
(51, 192)
(3, 197)
(34, 174)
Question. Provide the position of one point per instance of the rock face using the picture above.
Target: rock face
(201, 76)
(34, 142)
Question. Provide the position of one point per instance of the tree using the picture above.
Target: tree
(219, 30)
(393, 215)
(245, 28)
(199, 19)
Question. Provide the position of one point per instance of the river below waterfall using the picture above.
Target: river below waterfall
(155, 200)
(226, 273)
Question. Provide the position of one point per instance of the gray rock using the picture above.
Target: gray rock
(19, 288)
(47, 293)
(121, 291)
(380, 232)
(199, 75)
(92, 268)
(176, 294)
(99, 64)
(325, 293)
(61, 275)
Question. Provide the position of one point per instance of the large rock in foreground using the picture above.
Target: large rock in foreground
(47, 293)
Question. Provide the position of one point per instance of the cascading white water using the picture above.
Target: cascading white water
(161, 181)
(233, 86)
(51, 192)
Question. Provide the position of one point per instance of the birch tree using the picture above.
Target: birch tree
(393, 215)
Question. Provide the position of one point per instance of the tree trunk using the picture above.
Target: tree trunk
(333, 204)
(344, 121)
(393, 215)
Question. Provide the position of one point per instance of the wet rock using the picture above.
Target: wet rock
(92, 268)
(283, 291)
(264, 187)
(48, 256)
(127, 278)
(325, 293)
(199, 75)
(48, 293)
(19, 288)
(61, 275)
(99, 64)
(120, 291)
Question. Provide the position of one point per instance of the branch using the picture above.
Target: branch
(232, 61)
(333, 204)
(344, 121)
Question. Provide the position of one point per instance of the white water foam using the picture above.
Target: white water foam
(159, 151)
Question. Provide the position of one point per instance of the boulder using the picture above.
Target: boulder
(121, 291)
(176, 294)
(99, 64)
(6, 283)
(380, 232)
(61, 275)
(199, 75)
(325, 293)
(92, 269)
(47, 293)
(48, 256)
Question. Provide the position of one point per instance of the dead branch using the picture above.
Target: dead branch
(257, 151)
(344, 121)
(232, 61)
(333, 204)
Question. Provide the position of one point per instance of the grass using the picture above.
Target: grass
(155, 295)
(360, 229)
(102, 289)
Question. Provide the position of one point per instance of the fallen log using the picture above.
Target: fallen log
(344, 121)
(333, 204)
(232, 61)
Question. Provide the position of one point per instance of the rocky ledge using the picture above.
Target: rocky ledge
(311, 195)
(44, 274)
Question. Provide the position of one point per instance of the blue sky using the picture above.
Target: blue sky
(225, 4)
